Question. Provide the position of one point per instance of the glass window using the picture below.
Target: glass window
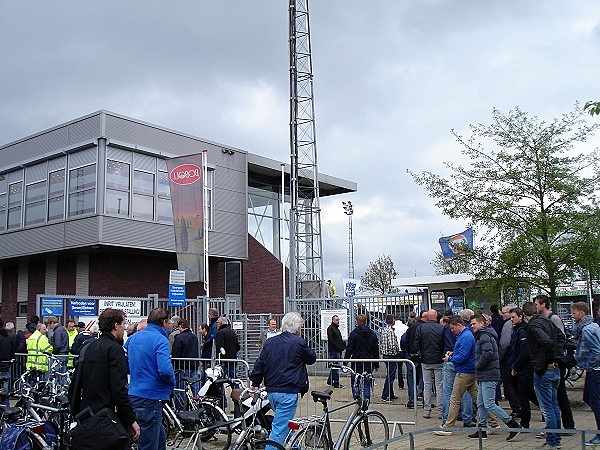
(15, 199)
(56, 208)
(56, 195)
(117, 202)
(143, 206)
(82, 202)
(35, 213)
(82, 178)
(2, 211)
(35, 203)
(164, 211)
(163, 185)
(117, 175)
(143, 182)
(82, 192)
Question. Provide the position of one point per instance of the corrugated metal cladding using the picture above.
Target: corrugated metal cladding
(230, 201)
(57, 163)
(35, 146)
(144, 162)
(38, 172)
(133, 233)
(228, 223)
(16, 175)
(148, 136)
(85, 129)
(118, 154)
(32, 240)
(83, 157)
(230, 180)
(82, 232)
(228, 246)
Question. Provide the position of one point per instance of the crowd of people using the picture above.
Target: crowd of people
(462, 361)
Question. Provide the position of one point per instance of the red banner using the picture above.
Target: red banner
(186, 180)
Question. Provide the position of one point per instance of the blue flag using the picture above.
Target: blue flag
(457, 244)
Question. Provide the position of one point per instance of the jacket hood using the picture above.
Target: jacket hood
(3, 332)
(489, 330)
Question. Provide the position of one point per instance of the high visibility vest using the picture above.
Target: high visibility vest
(37, 345)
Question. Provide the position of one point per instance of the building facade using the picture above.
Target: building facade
(85, 209)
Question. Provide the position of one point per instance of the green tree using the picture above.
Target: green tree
(379, 275)
(443, 266)
(593, 108)
(525, 192)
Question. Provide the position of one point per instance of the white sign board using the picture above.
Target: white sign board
(93, 320)
(130, 307)
(177, 277)
(238, 325)
(327, 314)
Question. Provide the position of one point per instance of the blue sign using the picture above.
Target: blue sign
(51, 306)
(83, 307)
(177, 295)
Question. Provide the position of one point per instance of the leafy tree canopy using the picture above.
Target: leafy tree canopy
(593, 108)
(526, 193)
(379, 275)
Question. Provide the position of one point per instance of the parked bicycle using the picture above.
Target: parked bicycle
(363, 428)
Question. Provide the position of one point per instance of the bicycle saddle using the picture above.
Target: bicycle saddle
(191, 380)
(321, 395)
(195, 416)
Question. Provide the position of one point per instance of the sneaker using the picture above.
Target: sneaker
(341, 386)
(476, 435)
(385, 400)
(442, 433)
(427, 415)
(595, 441)
(541, 435)
(512, 435)
(393, 397)
(469, 424)
(410, 405)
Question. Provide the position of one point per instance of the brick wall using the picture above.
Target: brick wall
(36, 284)
(262, 290)
(10, 276)
(66, 275)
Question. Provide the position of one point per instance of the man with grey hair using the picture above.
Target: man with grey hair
(173, 331)
(282, 367)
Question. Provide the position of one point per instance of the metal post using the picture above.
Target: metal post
(349, 210)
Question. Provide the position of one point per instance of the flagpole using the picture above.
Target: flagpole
(282, 230)
(205, 219)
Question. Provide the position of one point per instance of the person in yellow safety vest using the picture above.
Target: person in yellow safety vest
(71, 334)
(37, 344)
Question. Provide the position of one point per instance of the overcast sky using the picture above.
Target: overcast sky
(391, 79)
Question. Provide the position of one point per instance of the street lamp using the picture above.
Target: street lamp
(349, 210)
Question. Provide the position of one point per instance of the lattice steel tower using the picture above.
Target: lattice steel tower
(306, 259)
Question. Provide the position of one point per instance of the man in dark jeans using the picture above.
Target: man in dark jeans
(335, 347)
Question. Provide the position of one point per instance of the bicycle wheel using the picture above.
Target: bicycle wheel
(215, 438)
(369, 429)
(313, 437)
(261, 445)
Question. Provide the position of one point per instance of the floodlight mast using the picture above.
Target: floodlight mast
(306, 259)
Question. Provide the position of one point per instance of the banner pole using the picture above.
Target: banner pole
(205, 219)
(281, 232)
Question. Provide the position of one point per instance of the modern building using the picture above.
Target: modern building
(85, 210)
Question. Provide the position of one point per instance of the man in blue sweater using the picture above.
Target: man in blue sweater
(463, 358)
(152, 378)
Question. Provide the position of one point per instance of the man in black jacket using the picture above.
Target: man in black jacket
(227, 345)
(7, 352)
(410, 345)
(544, 341)
(363, 344)
(101, 377)
(185, 345)
(335, 347)
(282, 368)
(429, 342)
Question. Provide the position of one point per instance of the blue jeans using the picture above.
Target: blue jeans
(591, 394)
(148, 414)
(411, 382)
(284, 405)
(6, 386)
(546, 390)
(466, 403)
(365, 385)
(388, 385)
(486, 396)
(334, 375)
